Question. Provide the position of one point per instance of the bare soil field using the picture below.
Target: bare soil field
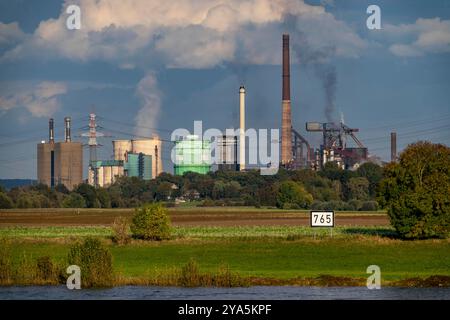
(182, 217)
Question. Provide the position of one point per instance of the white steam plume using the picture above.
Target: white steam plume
(150, 97)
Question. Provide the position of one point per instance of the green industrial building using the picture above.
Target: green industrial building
(192, 155)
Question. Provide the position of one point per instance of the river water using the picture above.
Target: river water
(250, 293)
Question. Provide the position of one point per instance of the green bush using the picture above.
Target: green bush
(416, 191)
(95, 262)
(293, 195)
(151, 222)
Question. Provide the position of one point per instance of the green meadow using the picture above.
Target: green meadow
(270, 252)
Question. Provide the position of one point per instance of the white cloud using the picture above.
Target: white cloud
(423, 37)
(183, 33)
(10, 35)
(41, 100)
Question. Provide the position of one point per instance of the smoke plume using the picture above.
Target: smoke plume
(317, 58)
(150, 97)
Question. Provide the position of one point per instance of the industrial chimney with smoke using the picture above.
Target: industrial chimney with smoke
(286, 120)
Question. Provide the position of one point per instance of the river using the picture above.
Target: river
(250, 293)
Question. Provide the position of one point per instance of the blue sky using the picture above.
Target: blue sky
(149, 67)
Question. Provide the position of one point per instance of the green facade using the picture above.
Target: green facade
(192, 155)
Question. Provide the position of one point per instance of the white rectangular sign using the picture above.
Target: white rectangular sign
(322, 218)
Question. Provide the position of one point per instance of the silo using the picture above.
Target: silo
(120, 149)
(150, 147)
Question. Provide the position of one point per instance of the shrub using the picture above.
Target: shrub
(95, 262)
(45, 269)
(369, 206)
(26, 270)
(416, 191)
(355, 204)
(151, 222)
(5, 262)
(190, 275)
(207, 203)
(121, 231)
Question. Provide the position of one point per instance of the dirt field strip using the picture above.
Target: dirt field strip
(187, 218)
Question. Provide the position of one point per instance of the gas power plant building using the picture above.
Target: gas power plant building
(192, 154)
(60, 162)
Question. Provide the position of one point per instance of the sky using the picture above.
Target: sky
(148, 67)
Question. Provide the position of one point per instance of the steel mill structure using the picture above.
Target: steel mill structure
(296, 151)
(60, 162)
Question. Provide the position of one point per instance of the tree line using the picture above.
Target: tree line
(331, 188)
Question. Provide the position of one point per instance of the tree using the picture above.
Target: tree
(416, 191)
(293, 195)
(218, 190)
(232, 189)
(89, 194)
(103, 198)
(373, 173)
(151, 222)
(163, 191)
(74, 200)
(358, 188)
(5, 201)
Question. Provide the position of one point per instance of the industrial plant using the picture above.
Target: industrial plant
(296, 151)
(61, 162)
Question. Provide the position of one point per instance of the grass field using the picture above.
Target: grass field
(285, 232)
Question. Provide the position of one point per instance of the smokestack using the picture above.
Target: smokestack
(242, 128)
(67, 137)
(286, 121)
(51, 131)
(393, 146)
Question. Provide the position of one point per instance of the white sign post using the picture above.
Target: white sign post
(322, 219)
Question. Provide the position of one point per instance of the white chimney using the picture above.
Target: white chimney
(242, 128)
